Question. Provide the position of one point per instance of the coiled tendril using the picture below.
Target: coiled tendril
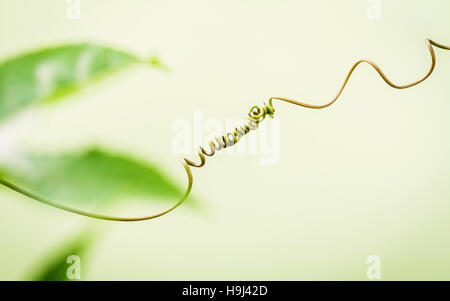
(255, 116)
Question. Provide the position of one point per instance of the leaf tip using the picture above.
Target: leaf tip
(156, 62)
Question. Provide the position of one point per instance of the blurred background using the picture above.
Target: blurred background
(367, 176)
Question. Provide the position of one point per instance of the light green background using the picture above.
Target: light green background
(366, 176)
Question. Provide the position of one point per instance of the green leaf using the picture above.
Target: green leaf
(58, 264)
(51, 73)
(91, 179)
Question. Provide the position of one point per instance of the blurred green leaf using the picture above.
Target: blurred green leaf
(94, 177)
(51, 73)
(56, 264)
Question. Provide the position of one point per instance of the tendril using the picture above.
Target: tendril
(255, 116)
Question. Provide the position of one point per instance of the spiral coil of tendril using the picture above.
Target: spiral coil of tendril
(255, 116)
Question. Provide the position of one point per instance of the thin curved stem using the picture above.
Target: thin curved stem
(100, 216)
(429, 44)
(267, 109)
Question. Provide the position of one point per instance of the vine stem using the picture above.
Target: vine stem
(256, 115)
(429, 43)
